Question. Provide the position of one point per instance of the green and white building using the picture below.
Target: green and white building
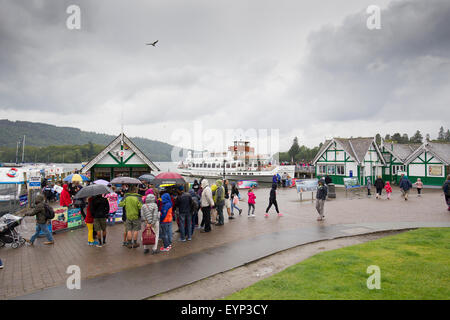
(354, 157)
(120, 158)
(429, 161)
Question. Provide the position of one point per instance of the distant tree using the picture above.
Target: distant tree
(295, 148)
(428, 137)
(416, 138)
(378, 138)
(447, 135)
(396, 137)
(405, 138)
(441, 134)
(387, 137)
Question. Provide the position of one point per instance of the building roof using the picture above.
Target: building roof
(401, 151)
(120, 138)
(440, 150)
(357, 148)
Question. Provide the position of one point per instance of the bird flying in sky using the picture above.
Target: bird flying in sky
(152, 44)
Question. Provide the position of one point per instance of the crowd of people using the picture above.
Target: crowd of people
(157, 208)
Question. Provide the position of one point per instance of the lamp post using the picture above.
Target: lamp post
(224, 161)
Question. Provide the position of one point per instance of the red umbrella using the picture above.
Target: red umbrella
(168, 178)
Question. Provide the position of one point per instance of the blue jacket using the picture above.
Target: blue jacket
(166, 206)
(405, 184)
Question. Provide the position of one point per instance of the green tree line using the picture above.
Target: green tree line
(52, 154)
(443, 136)
(298, 153)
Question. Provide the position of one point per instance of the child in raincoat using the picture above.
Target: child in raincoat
(388, 189)
(419, 186)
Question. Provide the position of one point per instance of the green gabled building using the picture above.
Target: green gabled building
(120, 158)
(395, 156)
(354, 157)
(430, 162)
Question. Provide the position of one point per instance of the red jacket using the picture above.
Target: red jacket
(251, 198)
(65, 200)
(89, 218)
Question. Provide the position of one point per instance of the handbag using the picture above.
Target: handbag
(235, 200)
(148, 236)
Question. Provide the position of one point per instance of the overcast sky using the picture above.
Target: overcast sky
(311, 69)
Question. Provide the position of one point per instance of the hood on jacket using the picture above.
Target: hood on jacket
(39, 199)
(205, 183)
(274, 186)
(166, 198)
(388, 183)
(219, 183)
(196, 182)
(150, 198)
(149, 191)
(66, 187)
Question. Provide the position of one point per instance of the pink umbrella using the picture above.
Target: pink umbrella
(101, 181)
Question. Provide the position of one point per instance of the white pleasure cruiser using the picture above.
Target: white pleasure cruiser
(239, 162)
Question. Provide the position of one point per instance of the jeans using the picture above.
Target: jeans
(251, 205)
(194, 221)
(185, 225)
(206, 220)
(219, 209)
(319, 206)
(234, 206)
(44, 228)
(165, 230)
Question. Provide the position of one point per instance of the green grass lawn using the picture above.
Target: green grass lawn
(414, 265)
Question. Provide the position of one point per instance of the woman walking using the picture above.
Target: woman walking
(379, 185)
(235, 199)
(151, 216)
(273, 201)
(321, 196)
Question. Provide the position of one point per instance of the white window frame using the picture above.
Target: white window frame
(343, 169)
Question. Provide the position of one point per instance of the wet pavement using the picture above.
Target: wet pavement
(116, 272)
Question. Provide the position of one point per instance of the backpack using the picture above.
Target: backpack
(49, 212)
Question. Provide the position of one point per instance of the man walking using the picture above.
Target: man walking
(405, 185)
(206, 203)
(184, 203)
(273, 201)
(321, 196)
(41, 221)
(219, 200)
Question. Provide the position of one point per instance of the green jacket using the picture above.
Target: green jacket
(133, 204)
(39, 211)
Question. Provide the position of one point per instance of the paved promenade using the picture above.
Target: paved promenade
(118, 272)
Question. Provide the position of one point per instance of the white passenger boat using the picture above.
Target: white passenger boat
(239, 162)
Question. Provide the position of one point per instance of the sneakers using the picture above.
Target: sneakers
(146, 251)
(155, 251)
(266, 215)
(165, 249)
(29, 242)
(240, 211)
(253, 215)
(1, 264)
(280, 214)
(182, 240)
(136, 245)
(49, 242)
(125, 244)
(189, 239)
(231, 217)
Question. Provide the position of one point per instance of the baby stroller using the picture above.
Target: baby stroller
(8, 234)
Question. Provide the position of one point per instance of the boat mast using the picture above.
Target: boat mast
(23, 150)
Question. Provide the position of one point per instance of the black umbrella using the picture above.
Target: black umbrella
(125, 180)
(92, 190)
(147, 177)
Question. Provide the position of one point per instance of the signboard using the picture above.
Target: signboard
(59, 222)
(74, 218)
(306, 185)
(435, 170)
(34, 182)
(351, 183)
(247, 184)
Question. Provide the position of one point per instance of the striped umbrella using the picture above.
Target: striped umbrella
(76, 178)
